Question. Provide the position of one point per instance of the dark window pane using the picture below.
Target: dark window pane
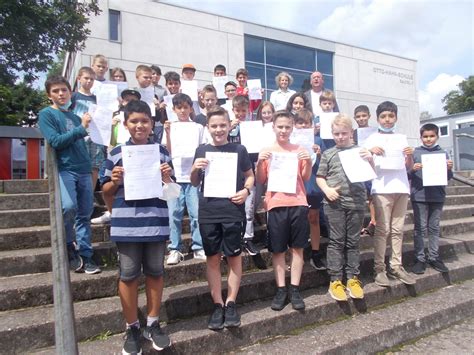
(298, 78)
(18, 159)
(290, 56)
(328, 82)
(324, 62)
(443, 130)
(114, 25)
(253, 49)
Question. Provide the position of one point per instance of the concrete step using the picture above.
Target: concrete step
(452, 200)
(24, 218)
(260, 322)
(449, 213)
(190, 300)
(459, 190)
(23, 201)
(23, 186)
(32, 261)
(380, 329)
(39, 237)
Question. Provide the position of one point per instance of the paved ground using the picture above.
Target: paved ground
(457, 339)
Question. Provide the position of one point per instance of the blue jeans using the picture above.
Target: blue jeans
(189, 198)
(77, 204)
(427, 216)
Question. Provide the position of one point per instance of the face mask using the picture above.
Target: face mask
(387, 130)
(65, 106)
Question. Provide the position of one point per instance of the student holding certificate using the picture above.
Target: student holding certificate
(344, 208)
(221, 219)
(287, 207)
(427, 198)
(390, 191)
(140, 229)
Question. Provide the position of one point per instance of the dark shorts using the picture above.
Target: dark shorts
(134, 255)
(223, 238)
(315, 201)
(288, 227)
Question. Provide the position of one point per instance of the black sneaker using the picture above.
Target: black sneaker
(75, 260)
(279, 301)
(438, 265)
(90, 267)
(232, 318)
(216, 320)
(419, 267)
(295, 298)
(259, 262)
(317, 262)
(250, 247)
(154, 334)
(132, 343)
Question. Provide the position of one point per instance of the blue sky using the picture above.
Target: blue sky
(437, 33)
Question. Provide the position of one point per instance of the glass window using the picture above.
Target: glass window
(254, 49)
(299, 78)
(324, 62)
(18, 158)
(289, 56)
(114, 25)
(443, 131)
(328, 82)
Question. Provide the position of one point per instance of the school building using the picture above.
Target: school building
(137, 32)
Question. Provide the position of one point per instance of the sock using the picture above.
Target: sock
(282, 288)
(135, 324)
(314, 252)
(150, 320)
(294, 287)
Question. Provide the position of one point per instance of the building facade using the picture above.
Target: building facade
(130, 33)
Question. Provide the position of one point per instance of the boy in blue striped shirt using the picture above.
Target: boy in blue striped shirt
(140, 228)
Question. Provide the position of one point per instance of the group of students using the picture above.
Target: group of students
(224, 226)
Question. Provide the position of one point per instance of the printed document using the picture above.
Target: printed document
(142, 174)
(220, 175)
(255, 89)
(435, 169)
(325, 119)
(283, 172)
(356, 168)
(100, 127)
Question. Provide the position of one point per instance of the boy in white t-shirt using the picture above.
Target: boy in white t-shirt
(390, 191)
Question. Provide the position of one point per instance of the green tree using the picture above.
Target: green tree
(20, 102)
(32, 32)
(461, 100)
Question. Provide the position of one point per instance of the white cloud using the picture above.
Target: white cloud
(430, 97)
(436, 33)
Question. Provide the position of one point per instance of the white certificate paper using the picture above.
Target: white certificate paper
(251, 135)
(219, 84)
(168, 100)
(190, 88)
(325, 119)
(303, 137)
(123, 135)
(356, 168)
(364, 133)
(435, 169)
(142, 174)
(255, 89)
(220, 174)
(107, 96)
(148, 94)
(391, 160)
(100, 127)
(283, 172)
(186, 137)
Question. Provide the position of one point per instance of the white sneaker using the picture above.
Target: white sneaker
(199, 254)
(104, 219)
(174, 258)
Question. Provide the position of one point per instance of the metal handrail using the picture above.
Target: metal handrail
(463, 179)
(64, 325)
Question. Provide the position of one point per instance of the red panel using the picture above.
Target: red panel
(33, 158)
(5, 159)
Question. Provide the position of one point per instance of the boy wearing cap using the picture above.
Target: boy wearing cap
(188, 71)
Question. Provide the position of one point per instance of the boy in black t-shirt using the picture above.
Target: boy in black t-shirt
(221, 220)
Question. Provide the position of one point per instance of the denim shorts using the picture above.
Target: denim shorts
(134, 255)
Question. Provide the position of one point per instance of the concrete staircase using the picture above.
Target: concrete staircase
(27, 317)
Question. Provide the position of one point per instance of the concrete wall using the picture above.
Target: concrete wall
(170, 36)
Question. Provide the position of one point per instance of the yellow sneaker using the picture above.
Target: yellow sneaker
(355, 288)
(337, 290)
